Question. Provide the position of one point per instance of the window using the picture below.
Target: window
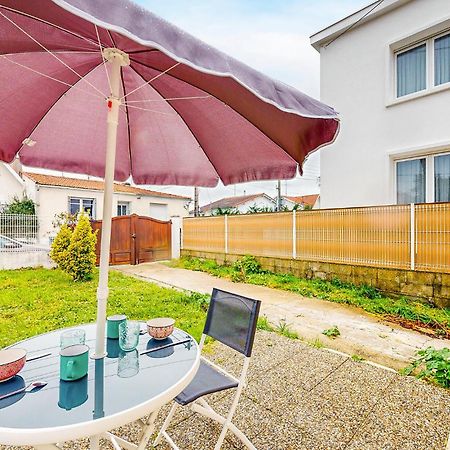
(423, 66)
(442, 178)
(411, 181)
(412, 70)
(123, 208)
(442, 60)
(425, 179)
(77, 204)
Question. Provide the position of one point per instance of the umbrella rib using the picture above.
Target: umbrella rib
(153, 79)
(47, 50)
(21, 13)
(51, 78)
(103, 58)
(170, 99)
(149, 110)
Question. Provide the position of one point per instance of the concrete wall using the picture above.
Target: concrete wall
(53, 200)
(18, 260)
(357, 79)
(427, 287)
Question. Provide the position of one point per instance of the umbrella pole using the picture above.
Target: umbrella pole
(117, 59)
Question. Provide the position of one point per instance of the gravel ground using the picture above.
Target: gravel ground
(304, 398)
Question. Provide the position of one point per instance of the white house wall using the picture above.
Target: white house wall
(356, 79)
(54, 200)
(10, 185)
(260, 202)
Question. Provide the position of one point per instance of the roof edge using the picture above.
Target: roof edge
(364, 15)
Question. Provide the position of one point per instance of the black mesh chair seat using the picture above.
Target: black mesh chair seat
(206, 381)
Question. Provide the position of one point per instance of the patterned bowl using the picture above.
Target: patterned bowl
(161, 327)
(12, 361)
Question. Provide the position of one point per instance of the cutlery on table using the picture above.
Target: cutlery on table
(29, 388)
(162, 347)
(43, 355)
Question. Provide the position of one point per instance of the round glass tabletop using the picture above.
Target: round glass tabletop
(114, 385)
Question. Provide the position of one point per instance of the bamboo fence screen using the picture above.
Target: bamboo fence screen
(402, 236)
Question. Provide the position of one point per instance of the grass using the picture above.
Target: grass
(406, 311)
(34, 301)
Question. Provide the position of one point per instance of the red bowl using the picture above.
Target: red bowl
(12, 361)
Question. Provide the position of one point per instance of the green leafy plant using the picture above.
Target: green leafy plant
(81, 255)
(433, 365)
(284, 329)
(264, 324)
(59, 252)
(247, 265)
(24, 205)
(316, 343)
(357, 358)
(332, 332)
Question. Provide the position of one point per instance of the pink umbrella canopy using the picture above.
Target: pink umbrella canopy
(189, 114)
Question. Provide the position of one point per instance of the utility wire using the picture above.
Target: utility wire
(356, 23)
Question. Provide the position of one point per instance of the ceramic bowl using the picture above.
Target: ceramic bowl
(161, 327)
(12, 361)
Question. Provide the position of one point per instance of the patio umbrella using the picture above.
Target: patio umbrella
(108, 89)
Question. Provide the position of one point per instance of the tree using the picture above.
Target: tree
(60, 247)
(81, 256)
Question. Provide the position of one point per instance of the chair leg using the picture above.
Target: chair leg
(165, 424)
(207, 411)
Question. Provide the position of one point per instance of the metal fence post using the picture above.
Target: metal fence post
(412, 238)
(226, 233)
(294, 234)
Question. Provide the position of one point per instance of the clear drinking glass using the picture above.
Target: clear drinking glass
(129, 335)
(128, 365)
(72, 337)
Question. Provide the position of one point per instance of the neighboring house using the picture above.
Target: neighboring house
(55, 194)
(301, 202)
(389, 77)
(242, 203)
(11, 185)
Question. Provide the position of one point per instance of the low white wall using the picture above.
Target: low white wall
(18, 260)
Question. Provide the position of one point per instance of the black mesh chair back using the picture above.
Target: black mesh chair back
(232, 320)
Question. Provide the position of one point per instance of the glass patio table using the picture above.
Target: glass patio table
(122, 387)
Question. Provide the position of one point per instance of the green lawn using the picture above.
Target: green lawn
(34, 301)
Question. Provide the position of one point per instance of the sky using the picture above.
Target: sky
(273, 37)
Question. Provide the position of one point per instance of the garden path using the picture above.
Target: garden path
(361, 334)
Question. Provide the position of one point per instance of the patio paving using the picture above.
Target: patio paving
(302, 398)
(361, 334)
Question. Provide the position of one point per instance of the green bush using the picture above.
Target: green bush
(60, 247)
(247, 265)
(81, 251)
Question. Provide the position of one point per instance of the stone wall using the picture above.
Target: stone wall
(430, 287)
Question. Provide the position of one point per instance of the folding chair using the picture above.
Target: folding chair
(231, 319)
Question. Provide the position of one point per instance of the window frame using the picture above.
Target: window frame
(430, 85)
(430, 194)
(127, 205)
(81, 205)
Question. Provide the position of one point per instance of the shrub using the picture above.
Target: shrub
(81, 252)
(20, 206)
(60, 247)
(247, 265)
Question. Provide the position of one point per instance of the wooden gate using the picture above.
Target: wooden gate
(136, 239)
